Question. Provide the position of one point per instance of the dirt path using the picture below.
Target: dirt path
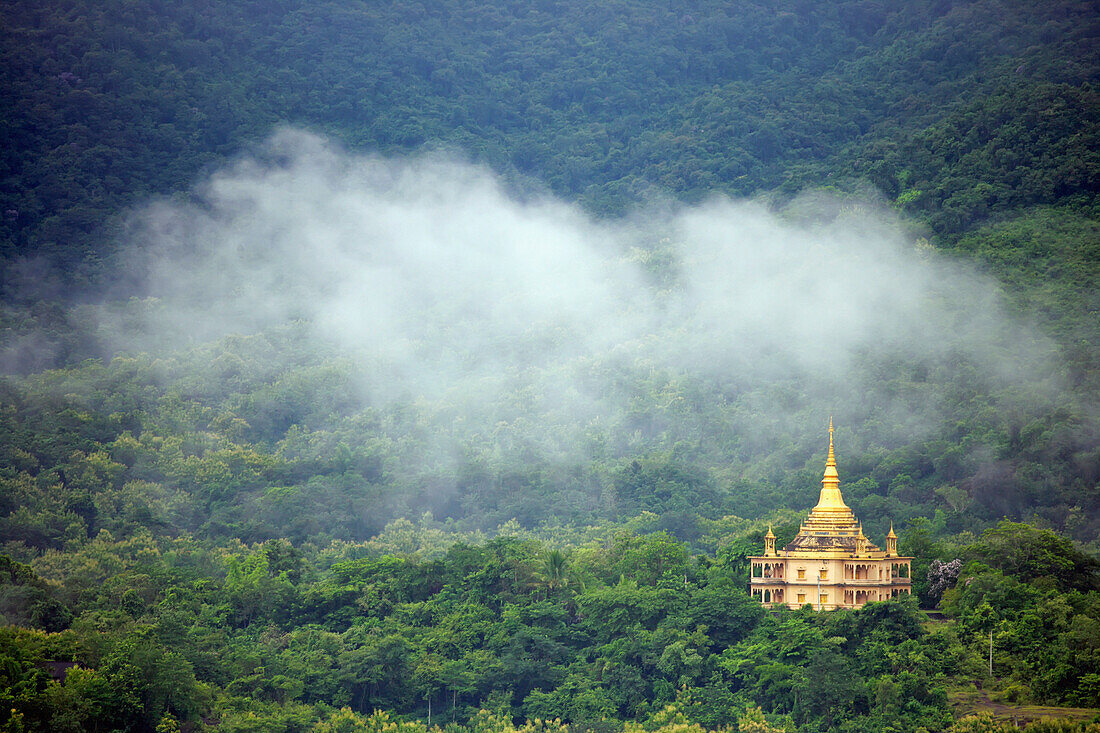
(980, 702)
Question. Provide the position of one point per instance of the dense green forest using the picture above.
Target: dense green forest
(610, 624)
(959, 112)
(380, 366)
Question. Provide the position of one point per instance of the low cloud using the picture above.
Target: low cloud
(441, 284)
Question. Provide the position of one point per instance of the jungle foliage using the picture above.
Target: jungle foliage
(152, 630)
(960, 112)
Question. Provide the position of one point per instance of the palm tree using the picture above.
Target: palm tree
(555, 571)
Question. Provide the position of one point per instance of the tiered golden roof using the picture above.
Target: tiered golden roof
(831, 524)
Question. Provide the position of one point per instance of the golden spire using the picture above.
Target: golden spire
(769, 535)
(830, 499)
(891, 536)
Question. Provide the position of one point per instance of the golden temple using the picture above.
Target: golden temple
(830, 563)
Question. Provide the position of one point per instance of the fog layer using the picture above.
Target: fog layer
(440, 284)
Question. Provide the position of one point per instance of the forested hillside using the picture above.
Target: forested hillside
(958, 111)
(448, 359)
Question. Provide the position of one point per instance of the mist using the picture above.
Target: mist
(440, 283)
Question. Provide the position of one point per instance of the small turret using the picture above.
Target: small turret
(891, 542)
(769, 543)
